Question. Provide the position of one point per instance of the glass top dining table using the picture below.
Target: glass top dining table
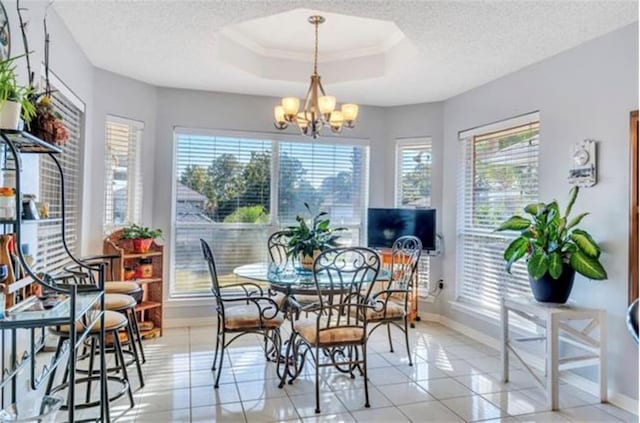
(290, 280)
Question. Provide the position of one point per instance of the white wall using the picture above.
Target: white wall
(124, 97)
(586, 92)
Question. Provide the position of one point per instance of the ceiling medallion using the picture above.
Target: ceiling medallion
(319, 109)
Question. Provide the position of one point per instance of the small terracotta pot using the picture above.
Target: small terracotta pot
(142, 245)
(306, 262)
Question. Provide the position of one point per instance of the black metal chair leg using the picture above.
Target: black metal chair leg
(389, 335)
(317, 363)
(366, 377)
(91, 362)
(136, 328)
(406, 339)
(134, 351)
(215, 357)
(123, 364)
(219, 371)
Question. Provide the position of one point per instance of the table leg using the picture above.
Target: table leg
(504, 351)
(603, 356)
(552, 364)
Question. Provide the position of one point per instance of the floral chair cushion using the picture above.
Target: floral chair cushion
(248, 317)
(333, 335)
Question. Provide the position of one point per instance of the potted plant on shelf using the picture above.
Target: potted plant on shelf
(141, 236)
(307, 240)
(14, 99)
(555, 249)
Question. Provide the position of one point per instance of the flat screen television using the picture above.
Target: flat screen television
(384, 226)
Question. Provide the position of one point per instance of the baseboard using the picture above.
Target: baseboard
(626, 403)
(189, 322)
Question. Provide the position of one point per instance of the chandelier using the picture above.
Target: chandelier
(318, 109)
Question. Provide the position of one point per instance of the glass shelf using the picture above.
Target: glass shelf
(27, 143)
(59, 315)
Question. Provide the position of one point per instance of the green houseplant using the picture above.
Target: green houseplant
(14, 99)
(141, 236)
(307, 240)
(554, 247)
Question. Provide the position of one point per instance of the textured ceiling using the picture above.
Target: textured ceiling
(460, 45)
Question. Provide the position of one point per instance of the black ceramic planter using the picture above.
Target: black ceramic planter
(549, 290)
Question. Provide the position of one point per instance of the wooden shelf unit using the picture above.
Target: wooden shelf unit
(150, 309)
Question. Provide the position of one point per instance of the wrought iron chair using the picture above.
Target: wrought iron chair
(391, 303)
(240, 312)
(337, 333)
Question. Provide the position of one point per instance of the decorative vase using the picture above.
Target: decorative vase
(10, 115)
(306, 262)
(549, 290)
(141, 245)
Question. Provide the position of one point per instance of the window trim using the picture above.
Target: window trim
(138, 198)
(407, 142)
(276, 138)
(463, 137)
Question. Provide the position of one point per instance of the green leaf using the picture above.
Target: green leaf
(555, 265)
(588, 266)
(586, 244)
(553, 212)
(515, 251)
(538, 265)
(573, 194)
(534, 208)
(515, 223)
(576, 220)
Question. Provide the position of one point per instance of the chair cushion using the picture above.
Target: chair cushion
(307, 329)
(247, 317)
(394, 311)
(121, 287)
(118, 302)
(112, 319)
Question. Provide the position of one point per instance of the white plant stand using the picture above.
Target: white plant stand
(556, 319)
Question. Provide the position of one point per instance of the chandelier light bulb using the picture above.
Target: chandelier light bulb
(350, 113)
(336, 121)
(278, 114)
(290, 106)
(327, 104)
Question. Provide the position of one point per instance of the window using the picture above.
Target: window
(498, 177)
(50, 250)
(235, 190)
(123, 179)
(413, 186)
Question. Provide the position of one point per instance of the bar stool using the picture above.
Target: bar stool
(134, 291)
(114, 322)
(126, 305)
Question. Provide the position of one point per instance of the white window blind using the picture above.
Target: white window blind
(328, 177)
(223, 195)
(123, 173)
(413, 186)
(498, 177)
(51, 256)
(235, 191)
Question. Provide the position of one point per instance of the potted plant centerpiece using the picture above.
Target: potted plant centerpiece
(555, 249)
(307, 240)
(141, 236)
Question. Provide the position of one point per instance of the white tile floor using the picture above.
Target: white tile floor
(454, 379)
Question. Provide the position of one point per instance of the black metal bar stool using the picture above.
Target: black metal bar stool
(126, 305)
(114, 322)
(133, 290)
